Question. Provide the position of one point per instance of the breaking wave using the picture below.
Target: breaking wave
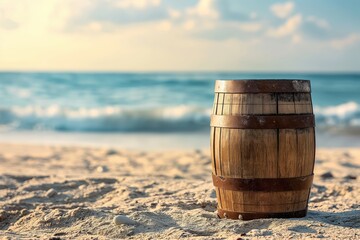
(106, 119)
(344, 117)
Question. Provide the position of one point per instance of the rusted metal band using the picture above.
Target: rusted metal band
(263, 184)
(263, 121)
(256, 215)
(263, 86)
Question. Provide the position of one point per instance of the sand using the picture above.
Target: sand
(57, 192)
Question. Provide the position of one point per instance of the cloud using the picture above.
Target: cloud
(346, 41)
(217, 10)
(288, 28)
(320, 23)
(112, 15)
(282, 10)
(297, 26)
(302, 29)
(112, 12)
(206, 19)
(317, 28)
(138, 4)
(216, 20)
(205, 9)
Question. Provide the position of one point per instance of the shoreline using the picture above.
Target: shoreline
(130, 141)
(147, 140)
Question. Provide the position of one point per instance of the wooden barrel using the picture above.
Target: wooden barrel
(262, 148)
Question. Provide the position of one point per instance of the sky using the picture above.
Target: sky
(173, 35)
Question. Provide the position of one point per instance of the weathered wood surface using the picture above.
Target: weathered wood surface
(262, 153)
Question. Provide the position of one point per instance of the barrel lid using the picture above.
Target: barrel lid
(263, 86)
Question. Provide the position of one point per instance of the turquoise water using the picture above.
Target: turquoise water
(151, 102)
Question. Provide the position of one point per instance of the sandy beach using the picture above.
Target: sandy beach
(59, 192)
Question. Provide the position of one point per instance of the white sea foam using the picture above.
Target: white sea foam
(341, 110)
(159, 119)
(343, 115)
(178, 118)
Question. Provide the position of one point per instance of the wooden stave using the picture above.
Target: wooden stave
(304, 195)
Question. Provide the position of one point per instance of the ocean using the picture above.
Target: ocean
(106, 105)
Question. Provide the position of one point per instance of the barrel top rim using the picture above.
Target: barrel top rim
(263, 86)
(264, 80)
